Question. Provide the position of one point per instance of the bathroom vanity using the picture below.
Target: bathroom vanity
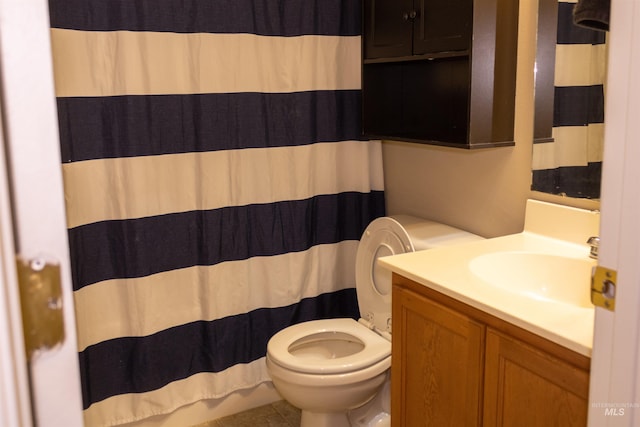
(496, 332)
(456, 365)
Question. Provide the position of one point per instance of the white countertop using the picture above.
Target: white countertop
(447, 271)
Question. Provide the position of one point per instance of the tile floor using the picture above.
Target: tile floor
(277, 414)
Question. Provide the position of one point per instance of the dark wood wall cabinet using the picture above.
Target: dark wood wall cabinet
(454, 365)
(440, 71)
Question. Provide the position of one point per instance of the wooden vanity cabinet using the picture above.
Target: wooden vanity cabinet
(454, 365)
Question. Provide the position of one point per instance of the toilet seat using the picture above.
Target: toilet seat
(374, 347)
(383, 237)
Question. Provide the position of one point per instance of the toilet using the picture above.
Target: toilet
(337, 370)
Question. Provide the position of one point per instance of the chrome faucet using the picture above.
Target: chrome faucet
(594, 242)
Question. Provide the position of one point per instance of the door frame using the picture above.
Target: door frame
(15, 404)
(34, 174)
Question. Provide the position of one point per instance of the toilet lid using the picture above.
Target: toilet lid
(383, 237)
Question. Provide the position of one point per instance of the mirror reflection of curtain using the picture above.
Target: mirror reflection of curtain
(216, 187)
(571, 164)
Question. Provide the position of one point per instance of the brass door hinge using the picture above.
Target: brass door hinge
(41, 303)
(603, 288)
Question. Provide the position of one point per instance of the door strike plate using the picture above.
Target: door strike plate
(603, 288)
(41, 303)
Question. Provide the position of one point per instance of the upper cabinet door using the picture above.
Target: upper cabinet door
(388, 26)
(442, 26)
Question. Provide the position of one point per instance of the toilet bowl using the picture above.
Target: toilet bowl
(337, 370)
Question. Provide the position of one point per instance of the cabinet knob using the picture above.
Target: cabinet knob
(409, 16)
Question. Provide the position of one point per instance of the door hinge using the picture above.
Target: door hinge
(603, 287)
(41, 303)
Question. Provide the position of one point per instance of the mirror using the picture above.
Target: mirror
(570, 73)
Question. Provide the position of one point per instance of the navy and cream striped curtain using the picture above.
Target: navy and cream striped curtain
(572, 164)
(216, 187)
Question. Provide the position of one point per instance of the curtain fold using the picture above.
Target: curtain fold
(216, 186)
(571, 165)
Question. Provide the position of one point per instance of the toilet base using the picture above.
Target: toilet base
(375, 413)
(324, 419)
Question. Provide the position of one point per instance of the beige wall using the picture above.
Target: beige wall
(483, 191)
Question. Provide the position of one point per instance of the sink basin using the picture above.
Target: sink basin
(541, 276)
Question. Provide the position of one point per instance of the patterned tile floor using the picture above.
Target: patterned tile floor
(277, 414)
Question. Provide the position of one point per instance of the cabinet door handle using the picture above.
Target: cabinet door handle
(409, 16)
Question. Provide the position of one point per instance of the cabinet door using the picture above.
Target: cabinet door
(437, 364)
(525, 387)
(442, 26)
(387, 28)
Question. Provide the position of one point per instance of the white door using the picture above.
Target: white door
(32, 174)
(615, 380)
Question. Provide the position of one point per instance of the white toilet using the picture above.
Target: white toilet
(337, 370)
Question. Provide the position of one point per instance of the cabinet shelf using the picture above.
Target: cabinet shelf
(421, 140)
(423, 57)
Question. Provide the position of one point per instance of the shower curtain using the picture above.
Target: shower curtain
(216, 186)
(572, 164)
